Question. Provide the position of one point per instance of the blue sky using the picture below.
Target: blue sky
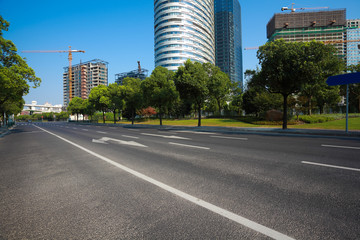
(117, 31)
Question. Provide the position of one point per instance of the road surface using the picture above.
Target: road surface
(70, 181)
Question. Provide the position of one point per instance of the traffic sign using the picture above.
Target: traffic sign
(344, 79)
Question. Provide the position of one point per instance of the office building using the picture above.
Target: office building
(183, 30)
(325, 25)
(84, 76)
(353, 44)
(228, 39)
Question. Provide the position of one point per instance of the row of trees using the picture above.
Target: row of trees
(291, 74)
(15, 77)
(175, 93)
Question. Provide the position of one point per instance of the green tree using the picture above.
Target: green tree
(88, 108)
(76, 106)
(219, 84)
(354, 89)
(98, 97)
(321, 64)
(327, 96)
(15, 74)
(286, 67)
(159, 91)
(133, 96)
(116, 97)
(191, 82)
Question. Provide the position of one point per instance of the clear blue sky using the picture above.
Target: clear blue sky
(117, 31)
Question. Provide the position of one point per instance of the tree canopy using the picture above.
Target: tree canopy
(159, 90)
(191, 82)
(287, 67)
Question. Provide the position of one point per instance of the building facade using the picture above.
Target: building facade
(353, 48)
(84, 76)
(307, 26)
(228, 39)
(183, 30)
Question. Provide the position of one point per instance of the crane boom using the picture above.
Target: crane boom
(292, 9)
(70, 51)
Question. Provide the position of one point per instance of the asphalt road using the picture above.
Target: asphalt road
(69, 181)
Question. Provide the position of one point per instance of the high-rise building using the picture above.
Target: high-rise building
(183, 30)
(325, 25)
(85, 76)
(228, 39)
(353, 48)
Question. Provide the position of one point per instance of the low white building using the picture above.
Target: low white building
(37, 108)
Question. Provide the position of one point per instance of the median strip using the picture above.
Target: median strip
(213, 208)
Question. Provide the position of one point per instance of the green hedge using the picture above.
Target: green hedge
(324, 117)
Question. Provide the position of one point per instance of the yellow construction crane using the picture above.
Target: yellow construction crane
(70, 59)
(325, 42)
(292, 9)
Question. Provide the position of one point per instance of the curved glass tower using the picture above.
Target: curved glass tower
(184, 29)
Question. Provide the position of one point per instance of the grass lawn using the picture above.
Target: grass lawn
(354, 123)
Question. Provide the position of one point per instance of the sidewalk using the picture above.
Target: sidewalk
(3, 131)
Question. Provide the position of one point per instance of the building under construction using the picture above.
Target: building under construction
(324, 25)
(84, 76)
(140, 73)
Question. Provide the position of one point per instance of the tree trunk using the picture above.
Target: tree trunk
(219, 105)
(285, 111)
(310, 104)
(132, 117)
(160, 115)
(77, 117)
(114, 116)
(199, 116)
(104, 117)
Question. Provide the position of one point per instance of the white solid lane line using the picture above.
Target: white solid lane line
(130, 136)
(186, 145)
(345, 147)
(85, 129)
(101, 132)
(331, 166)
(215, 209)
(235, 138)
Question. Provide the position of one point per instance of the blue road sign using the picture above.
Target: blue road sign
(344, 79)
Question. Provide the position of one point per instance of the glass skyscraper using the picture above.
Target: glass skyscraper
(353, 48)
(228, 39)
(183, 30)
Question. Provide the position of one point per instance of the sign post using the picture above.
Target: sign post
(343, 79)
